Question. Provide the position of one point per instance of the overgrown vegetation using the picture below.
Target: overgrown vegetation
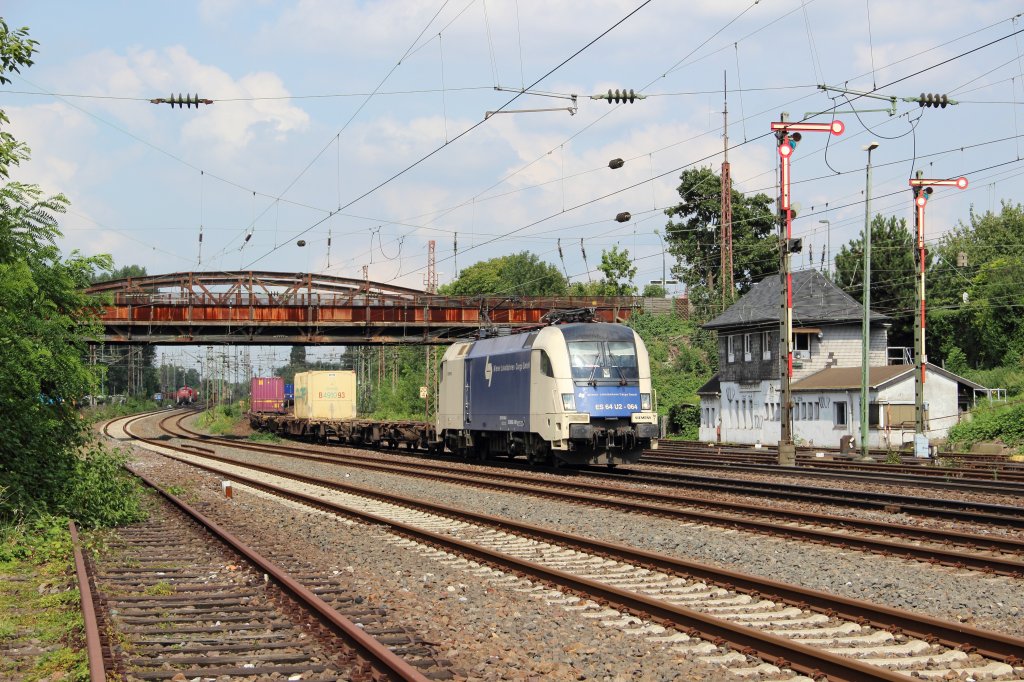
(683, 358)
(38, 600)
(221, 419)
(107, 411)
(1003, 422)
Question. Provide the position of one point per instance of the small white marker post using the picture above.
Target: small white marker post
(226, 487)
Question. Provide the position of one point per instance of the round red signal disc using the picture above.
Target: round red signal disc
(785, 151)
(921, 200)
(961, 183)
(838, 127)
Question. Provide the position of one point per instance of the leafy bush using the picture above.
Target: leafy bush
(997, 422)
(40, 539)
(220, 419)
(102, 492)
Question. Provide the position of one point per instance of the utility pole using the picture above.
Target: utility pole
(728, 281)
(923, 189)
(788, 135)
(865, 327)
(430, 375)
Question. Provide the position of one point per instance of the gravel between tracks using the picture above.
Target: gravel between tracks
(984, 601)
(491, 633)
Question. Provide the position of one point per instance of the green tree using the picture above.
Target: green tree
(694, 237)
(123, 272)
(45, 323)
(619, 271)
(654, 291)
(893, 274)
(518, 274)
(973, 290)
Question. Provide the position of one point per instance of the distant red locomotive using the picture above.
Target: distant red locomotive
(186, 395)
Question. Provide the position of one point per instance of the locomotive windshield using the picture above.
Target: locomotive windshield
(603, 361)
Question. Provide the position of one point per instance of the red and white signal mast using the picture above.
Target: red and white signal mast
(923, 188)
(788, 135)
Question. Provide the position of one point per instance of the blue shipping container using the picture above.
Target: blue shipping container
(289, 391)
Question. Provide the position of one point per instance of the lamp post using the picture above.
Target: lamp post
(828, 225)
(865, 330)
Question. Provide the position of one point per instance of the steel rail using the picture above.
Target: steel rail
(988, 643)
(365, 647)
(555, 489)
(1009, 478)
(773, 648)
(939, 479)
(954, 509)
(93, 642)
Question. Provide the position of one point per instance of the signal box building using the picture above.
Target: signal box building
(742, 403)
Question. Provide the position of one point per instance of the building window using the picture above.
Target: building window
(730, 348)
(817, 413)
(802, 346)
(747, 341)
(874, 415)
(839, 413)
(766, 345)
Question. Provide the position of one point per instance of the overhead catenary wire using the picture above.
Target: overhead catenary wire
(477, 124)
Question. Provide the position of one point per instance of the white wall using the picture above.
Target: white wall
(743, 420)
(843, 343)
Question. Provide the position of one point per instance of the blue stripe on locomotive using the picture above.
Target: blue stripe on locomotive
(498, 390)
(608, 401)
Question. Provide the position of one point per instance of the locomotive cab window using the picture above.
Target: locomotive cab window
(603, 360)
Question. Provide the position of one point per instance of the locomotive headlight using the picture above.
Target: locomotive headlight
(645, 402)
(569, 402)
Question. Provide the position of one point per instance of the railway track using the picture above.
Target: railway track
(957, 510)
(791, 628)
(984, 552)
(177, 594)
(951, 465)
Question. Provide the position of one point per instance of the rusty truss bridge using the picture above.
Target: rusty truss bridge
(278, 308)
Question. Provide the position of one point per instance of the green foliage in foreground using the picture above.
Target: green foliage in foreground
(90, 486)
(38, 552)
(997, 422)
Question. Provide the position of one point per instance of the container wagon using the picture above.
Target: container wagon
(267, 395)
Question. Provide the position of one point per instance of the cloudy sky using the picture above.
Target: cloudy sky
(366, 122)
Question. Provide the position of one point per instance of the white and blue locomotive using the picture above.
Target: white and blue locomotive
(576, 393)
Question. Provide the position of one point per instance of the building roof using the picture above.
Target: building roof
(815, 300)
(844, 378)
(712, 387)
(848, 378)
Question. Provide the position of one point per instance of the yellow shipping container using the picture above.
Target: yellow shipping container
(325, 395)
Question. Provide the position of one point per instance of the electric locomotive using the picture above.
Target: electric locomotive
(577, 393)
